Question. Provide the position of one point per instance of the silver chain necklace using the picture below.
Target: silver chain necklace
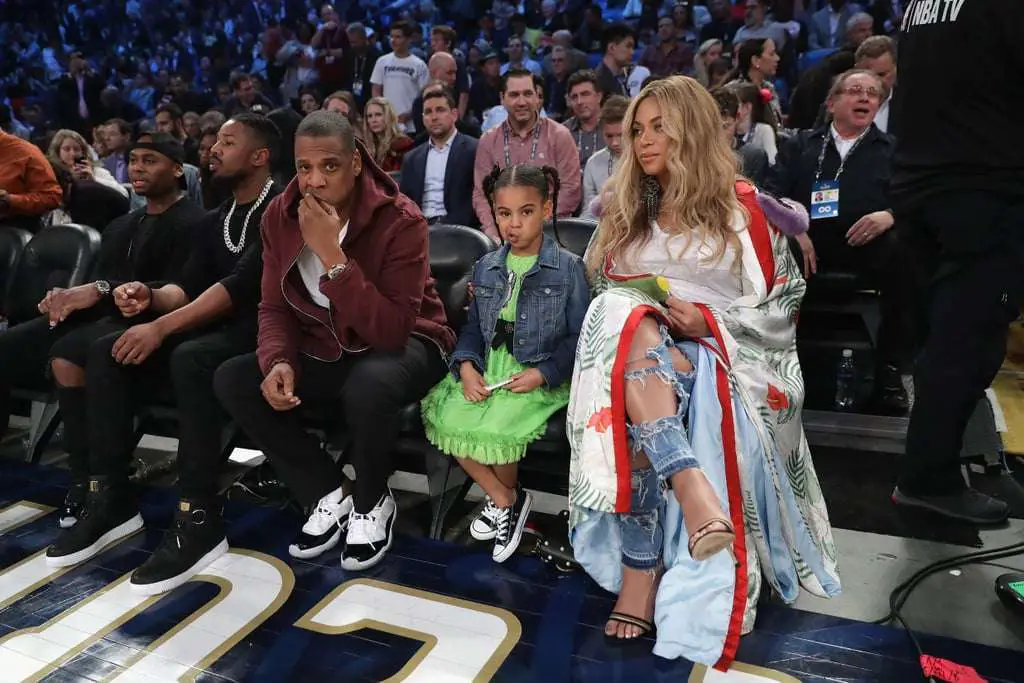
(237, 249)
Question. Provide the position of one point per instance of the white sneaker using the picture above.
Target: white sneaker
(485, 526)
(370, 535)
(510, 525)
(323, 529)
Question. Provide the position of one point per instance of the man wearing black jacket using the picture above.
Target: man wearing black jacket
(204, 317)
(78, 97)
(150, 244)
(851, 153)
(958, 181)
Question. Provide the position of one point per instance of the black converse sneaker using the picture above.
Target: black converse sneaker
(370, 535)
(110, 514)
(511, 521)
(74, 501)
(195, 539)
(323, 529)
(485, 526)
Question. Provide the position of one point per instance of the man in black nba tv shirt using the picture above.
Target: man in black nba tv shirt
(958, 184)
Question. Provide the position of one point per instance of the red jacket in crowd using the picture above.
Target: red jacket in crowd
(385, 294)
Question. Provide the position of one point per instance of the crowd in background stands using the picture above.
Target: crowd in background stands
(142, 53)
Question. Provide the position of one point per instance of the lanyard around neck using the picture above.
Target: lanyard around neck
(533, 147)
(830, 137)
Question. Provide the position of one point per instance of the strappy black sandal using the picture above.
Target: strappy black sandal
(646, 627)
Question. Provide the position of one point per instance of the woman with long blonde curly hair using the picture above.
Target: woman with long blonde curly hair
(382, 135)
(684, 419)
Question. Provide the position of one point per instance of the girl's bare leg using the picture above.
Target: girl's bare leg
(485, 476)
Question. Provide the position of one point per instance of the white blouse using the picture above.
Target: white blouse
(687, 264)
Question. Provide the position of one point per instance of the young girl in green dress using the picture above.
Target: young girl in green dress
(511, 367)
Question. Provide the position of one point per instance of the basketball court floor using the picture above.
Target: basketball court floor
(438, 611)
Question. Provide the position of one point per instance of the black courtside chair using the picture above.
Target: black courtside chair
(57, 256)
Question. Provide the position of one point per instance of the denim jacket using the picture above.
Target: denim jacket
(549, 313)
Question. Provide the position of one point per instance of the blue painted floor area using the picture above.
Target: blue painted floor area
(562, 616)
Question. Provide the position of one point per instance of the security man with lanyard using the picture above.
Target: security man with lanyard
(526, 138)
(840, 173)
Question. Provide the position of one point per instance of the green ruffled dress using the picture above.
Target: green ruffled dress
(498, 430)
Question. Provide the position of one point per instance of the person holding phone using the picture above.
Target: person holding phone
(70, 151)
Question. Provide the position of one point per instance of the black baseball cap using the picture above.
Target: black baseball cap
(167, 145)
(162, 143)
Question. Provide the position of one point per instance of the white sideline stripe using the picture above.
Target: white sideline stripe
(16, 515)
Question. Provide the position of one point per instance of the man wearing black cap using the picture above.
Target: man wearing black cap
(205, 318)
(150, 245)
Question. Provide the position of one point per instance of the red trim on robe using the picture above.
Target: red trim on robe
(759, 231)
(735, 492)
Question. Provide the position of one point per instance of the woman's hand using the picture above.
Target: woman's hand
(868, 228)
(685, 319)
(82, 171)
(810, 256)
(473, 387)
(525, 381)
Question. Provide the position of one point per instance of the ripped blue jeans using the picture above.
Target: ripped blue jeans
(665, 443)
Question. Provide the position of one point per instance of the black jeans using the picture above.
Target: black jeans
(100, 418)
(25, 354)
(977, 292)
(373, 388)
(201, 417)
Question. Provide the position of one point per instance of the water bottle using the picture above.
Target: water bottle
(846, 381)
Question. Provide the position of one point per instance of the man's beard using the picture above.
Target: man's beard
(228, 182)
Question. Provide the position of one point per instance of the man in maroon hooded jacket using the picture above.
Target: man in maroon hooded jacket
(349, 313)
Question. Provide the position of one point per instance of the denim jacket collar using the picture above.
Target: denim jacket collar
(548, 257)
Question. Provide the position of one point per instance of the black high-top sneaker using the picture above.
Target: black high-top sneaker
(110, 514)
(74, 501)
(196, 538)
(510, 523)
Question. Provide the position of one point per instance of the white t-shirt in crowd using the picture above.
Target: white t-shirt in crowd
(637, 76)
(401, 80)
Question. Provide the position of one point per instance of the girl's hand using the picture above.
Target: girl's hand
(473, 387)
(525, 381)
(685, 319)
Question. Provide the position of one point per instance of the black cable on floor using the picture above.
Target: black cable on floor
(899, 595)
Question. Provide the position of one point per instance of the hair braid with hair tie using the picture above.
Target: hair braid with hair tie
(551, 173)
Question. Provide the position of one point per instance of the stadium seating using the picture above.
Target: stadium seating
(572, 233)
(12, 243)
(59, 256)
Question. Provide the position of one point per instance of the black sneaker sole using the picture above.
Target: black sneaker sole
(122, 530)
(169, 584)
(317, 550)
(355, 565)
(903, 499)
